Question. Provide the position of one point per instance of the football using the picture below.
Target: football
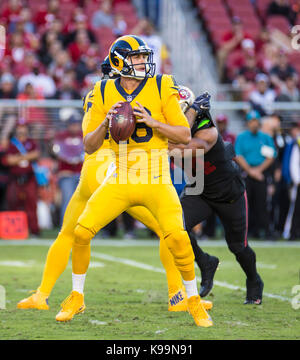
(122, 123)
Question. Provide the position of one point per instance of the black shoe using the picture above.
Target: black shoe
(254, 291)
(207, 275)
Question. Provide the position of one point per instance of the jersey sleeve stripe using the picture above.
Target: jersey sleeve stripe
(83, 102)
(158, 81)
(174, 81)
(102, 88)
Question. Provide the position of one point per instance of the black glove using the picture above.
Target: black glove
(202, 104)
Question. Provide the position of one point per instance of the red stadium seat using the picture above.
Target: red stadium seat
(254, 31)
(279, 22)
(74, 2)
(208, 3)
(244, 12)
(90, 8)
(65, 16)
(66, 11)
(250, 22)
(294, 58)
(217, 23)
(105, 38)
(67, 7)
(262, 6)
(236, 3)
(32, 3)
(231, 63)
(221, 25)
(37, 6)
(124, 8)
(103, 32)
(131, 22)
(214, 12)
(241, 6)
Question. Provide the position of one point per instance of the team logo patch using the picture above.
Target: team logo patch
(184, 94)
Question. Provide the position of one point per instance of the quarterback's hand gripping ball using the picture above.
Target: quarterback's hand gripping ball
(122, 122)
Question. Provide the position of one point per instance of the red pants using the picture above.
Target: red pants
(24, 197)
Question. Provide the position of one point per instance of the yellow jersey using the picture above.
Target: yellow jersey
(88, 126)
(96, 165)
(144, 155)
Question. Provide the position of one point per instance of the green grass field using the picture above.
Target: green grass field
(126, 299)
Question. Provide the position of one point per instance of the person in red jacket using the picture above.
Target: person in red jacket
(22, 188)
(11, 12)
(68, 149)
(232, 40)
(222, 124)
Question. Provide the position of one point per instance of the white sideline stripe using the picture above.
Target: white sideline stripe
(145, 242)
(160, 270)
(96, 264)
(97, 322)
(266, 266)
(16, 263)
(127, 262)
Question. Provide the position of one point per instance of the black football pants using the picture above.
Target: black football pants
(234, 218)
(258, 212)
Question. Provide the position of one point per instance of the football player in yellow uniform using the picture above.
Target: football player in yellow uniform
(92, 175)
(141, 176)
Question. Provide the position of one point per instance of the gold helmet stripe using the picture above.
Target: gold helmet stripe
(131, 41)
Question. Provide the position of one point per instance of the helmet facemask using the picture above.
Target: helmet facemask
(122, 57)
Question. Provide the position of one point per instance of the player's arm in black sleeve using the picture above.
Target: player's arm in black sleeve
(204, 133)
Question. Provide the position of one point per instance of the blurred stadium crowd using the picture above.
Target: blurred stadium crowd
(252, 41)
(57, 46)
(53, 51)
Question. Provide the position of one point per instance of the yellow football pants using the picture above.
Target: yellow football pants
(111, 199)
(92, 174)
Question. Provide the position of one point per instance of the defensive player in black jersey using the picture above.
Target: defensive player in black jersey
(223, 193)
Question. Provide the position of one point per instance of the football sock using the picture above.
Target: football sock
(144, 215)
(191, 288)
(173, 275)
(80, 258)
(247, 260)
(78, 281)
(57, 260)
(181, 249)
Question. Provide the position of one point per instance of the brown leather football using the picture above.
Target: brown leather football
(123, 123)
